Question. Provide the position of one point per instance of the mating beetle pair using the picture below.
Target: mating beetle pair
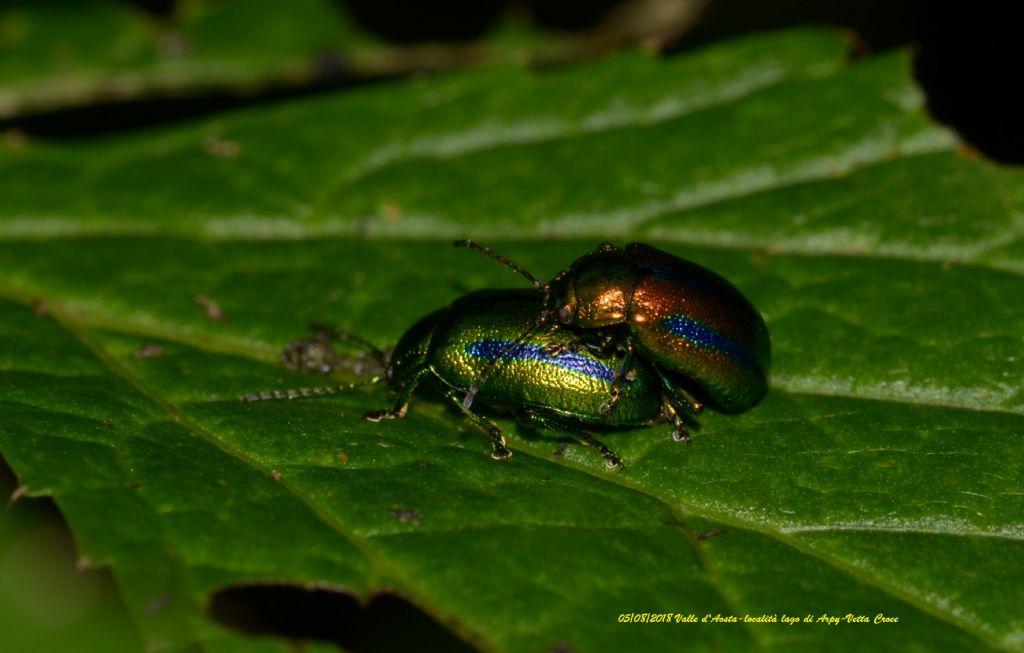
(622, 338)
(682, 317)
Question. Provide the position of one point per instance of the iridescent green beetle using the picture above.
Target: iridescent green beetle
(675, 314)
(545, 378)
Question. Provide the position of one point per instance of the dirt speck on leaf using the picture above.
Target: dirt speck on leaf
(211, 307)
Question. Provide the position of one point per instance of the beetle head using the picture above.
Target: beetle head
(595, 292)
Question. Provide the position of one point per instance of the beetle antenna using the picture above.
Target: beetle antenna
(318, 391)
(501, 259)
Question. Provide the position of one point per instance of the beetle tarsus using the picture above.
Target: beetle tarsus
(499, 451)
(611, 459)
(608, 406)
(387, 413)
(681, 434)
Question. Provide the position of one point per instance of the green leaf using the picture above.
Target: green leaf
(64, 54)
(881, 474)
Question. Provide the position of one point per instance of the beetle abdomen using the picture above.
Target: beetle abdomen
(568, 383)
(691, 321)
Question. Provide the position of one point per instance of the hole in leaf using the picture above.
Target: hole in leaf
(387, 623)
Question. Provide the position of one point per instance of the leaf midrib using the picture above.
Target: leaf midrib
(379, 569)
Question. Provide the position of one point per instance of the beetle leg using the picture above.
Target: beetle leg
(574, 346)
(600, 344)
(402, 403)
(676, 401)
(571, 347)
(499, 450)
(531, 418)
(610, 457)
(615, 394)
(691, 402)
(623, 373)
(679, 396)
(679, 432)
(467, 401)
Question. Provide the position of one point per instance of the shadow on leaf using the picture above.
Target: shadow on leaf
(387, 623)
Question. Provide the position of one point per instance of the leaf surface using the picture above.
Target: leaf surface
(881, 474)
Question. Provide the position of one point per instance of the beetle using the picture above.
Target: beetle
(549, 378)
(677, 315)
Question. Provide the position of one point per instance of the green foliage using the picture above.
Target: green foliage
(69, 53)
(881, 474)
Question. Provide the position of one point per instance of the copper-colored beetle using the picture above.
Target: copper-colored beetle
(683, 318)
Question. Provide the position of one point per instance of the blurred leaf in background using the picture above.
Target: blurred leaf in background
(62, 54)
(45, 603)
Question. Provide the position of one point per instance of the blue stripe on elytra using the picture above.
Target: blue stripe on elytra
(708, 337)
(507, 350)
